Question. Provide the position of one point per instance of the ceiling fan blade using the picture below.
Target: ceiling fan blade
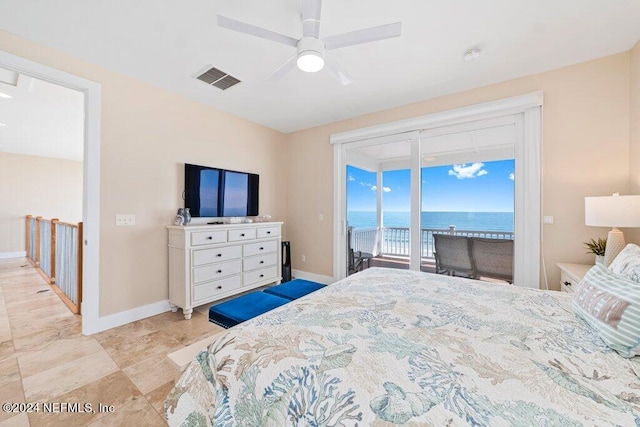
(311, 18)
(367, 35)
(284, 68)
(252, 30)
(338, 73)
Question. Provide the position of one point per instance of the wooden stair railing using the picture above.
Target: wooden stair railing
(54, 248)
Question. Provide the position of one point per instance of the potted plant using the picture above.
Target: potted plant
(597, 247)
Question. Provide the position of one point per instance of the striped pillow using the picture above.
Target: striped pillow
(611, 305)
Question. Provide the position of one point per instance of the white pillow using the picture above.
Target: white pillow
(627, 263)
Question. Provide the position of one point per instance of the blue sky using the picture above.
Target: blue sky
(470, 187)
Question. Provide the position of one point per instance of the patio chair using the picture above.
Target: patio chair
(493, 258)
(453, 255)
(354, 258)
(355, 263)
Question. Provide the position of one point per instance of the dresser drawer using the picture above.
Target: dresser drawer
(208, 237)
(260, 261)
(264, 274)
(567, 283)
(242, 234)
(251, 249)
(218, 287)
(216, 271)
(265, 232)
(208, 256)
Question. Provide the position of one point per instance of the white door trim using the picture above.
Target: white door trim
(91, 177)
(528, 155)
(487, 110)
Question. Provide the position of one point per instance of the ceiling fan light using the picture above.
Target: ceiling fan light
(310, 61)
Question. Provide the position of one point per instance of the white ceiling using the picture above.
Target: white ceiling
(166, 42)
(41, 118)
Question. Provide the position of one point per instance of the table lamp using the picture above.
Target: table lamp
(612, 211)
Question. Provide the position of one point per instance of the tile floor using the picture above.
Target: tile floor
(45, 358)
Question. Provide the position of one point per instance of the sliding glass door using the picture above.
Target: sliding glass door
(378, 181)
(474, 170)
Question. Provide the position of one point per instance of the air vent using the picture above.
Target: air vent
(218, 78)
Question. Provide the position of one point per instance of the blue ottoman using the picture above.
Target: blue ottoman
(243, 308)
(294, 289)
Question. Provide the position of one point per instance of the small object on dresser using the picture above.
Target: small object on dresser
(187, 216)
(179, 217)
(263, 218)
(598, 248)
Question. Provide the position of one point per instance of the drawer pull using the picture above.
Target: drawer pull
(210, 237)
(567, 283)
(219, 271)
(268, 232)
(261, 262)
(262, 275)
(262, 249)
(242, 235)
(219, 255)
(219, 287)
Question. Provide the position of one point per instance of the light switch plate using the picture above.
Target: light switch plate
(548, 219)
(125, 219)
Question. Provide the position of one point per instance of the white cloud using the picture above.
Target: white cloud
(365, 184)
(351, 178)
(375, 188)
(471, 171)
(512, 176)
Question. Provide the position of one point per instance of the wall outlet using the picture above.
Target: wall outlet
(125, 219)
(304, 258)
(321, 217)
(548, 219)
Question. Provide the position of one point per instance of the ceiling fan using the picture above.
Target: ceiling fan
(310, 49)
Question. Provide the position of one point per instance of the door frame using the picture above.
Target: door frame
(91, 177)
(528, 183)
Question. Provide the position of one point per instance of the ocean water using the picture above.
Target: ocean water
(486, 221)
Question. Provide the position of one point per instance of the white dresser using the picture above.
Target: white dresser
(211, 262)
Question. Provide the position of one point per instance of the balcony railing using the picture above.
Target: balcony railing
(395, 241)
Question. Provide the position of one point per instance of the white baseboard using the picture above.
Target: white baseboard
(138, 313)
(325, 280)
(5, 255)
(118, 319)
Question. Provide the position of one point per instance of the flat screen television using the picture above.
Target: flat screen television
(213, 192)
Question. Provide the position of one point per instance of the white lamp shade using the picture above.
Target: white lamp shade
(612, 211)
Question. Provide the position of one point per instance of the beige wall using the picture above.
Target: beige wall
(585, 152)
(634, 154)
(39, 186)
(147, 134)
(634, 144)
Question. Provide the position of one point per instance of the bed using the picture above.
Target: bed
(386, 347)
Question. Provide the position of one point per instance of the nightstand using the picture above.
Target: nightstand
(571, 275)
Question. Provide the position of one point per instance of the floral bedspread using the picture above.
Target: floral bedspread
(387, 347)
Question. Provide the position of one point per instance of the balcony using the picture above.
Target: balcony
(390, 245)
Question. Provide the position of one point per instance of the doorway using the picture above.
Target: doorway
(501, 130)
(91, 176)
